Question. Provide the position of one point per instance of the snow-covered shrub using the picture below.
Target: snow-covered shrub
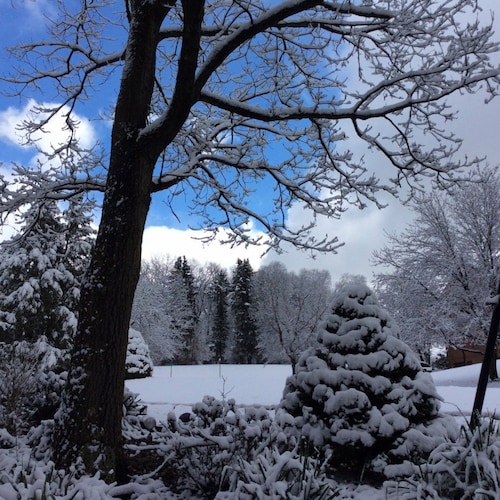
(132, 404)
(23, 477)
(138, 363)
(216, 434)
(360, 395)
(466, 468)
(273, 474)
(30, 383)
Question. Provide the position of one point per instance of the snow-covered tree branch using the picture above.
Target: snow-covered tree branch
(219, 99)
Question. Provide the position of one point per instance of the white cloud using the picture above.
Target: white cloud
(160, 241)
(361, 231)
(52, 135)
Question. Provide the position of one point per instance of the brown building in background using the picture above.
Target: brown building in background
(468, 354)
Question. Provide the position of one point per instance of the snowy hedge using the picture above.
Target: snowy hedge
(138, 363)
(360, 395)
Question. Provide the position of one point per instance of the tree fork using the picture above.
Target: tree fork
(88, 425)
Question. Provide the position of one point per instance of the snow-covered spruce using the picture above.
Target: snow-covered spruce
(360, 396)
(138, 363)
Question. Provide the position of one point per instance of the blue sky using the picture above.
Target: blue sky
(362, 232)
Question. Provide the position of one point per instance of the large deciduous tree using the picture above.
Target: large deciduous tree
(152, 313)
(207, 92)
(290, 307)
(442, 270)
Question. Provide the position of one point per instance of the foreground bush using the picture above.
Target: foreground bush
(225, 452)
(468, 468)
(274, 475)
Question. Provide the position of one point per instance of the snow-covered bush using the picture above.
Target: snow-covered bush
(24, 477)
(466, 468)
(360, 395)
(216, 434)
(30, 383)
(274, 474)
(138, 363)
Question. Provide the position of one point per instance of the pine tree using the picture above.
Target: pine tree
(243, 305)
(360, 394)
(40, 275)
(182, 305)
(138, 363)
(220, 327)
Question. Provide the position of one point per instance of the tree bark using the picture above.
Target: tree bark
(88, 425)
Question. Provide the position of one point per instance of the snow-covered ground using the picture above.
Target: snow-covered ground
(176, 388)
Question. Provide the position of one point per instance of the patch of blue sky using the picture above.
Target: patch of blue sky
(252, 76)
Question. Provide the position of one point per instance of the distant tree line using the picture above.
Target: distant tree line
(194, 314)
(437, 278)
(187, 313)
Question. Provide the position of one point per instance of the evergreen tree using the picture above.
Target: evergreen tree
(40, 274)
(243, 305)
(360, 395)
(79, 234)
(182, 305)
(220, 326)
(138, 363)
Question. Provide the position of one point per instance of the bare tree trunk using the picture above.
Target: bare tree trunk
(88, 425)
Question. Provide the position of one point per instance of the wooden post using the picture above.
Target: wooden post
(489, 358)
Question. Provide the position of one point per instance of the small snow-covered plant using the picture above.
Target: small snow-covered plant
(19, 385)
(466, 468)
(216, 434)
(132, 404)
(360, 394)
(273, 474)
(24, 477)
(138, 363)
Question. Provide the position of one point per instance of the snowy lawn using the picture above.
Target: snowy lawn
(176, 388)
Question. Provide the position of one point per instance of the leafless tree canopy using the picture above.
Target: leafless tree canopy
(244, 92)
(214, 99)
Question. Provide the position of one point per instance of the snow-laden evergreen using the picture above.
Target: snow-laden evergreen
(40, 274)
(242, 306)
(360, 395)
(138, 363)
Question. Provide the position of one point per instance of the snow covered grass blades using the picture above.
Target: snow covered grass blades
(274, 474)
(466, 468)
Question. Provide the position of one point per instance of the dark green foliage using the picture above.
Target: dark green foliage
(40, 274)
(243, 309)
(182, 308)
(220, 328)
